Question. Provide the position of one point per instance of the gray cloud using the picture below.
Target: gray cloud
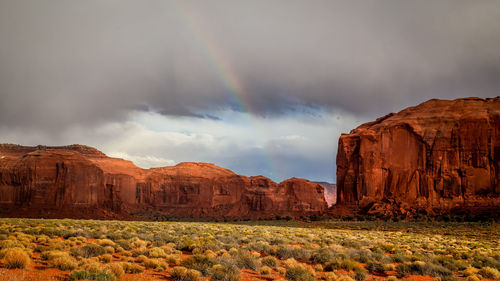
(66, 62)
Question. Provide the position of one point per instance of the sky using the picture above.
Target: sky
(260, 87)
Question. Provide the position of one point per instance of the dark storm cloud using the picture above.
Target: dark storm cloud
(86, 62)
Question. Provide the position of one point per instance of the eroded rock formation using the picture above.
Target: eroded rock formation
(81, 182)
(440, 156)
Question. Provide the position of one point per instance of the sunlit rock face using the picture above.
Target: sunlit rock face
(81, 182)
(438, 157)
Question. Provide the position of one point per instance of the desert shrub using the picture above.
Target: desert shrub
(345, 278)
(90, 250)
(109, 250)
(460, 255)
(472, 278)
(16, 258)
(330, 276)
(76, 252)
(5, 244)
(245, 259)
(141, 259)
(63, 262)
(132, 268)
(183, 274)
(281, 270)
(360, 274)
(399, 258)
(154, 263)
(485, 261)
(85, 275)
(265, 270)
(490, 273)
(116, 269)
(318, 267)
(173, 259)
(105, 242)
(364, 256)
(201, 263)
(296, 253)
(422, 268)
(221, 272)
(142, 251)
(322, 255)
(470, 271)
(125, 244)
(80, 275)
(349, 243)
(92, 265)
(50, 255)
(404, 269)
(270, 261)
(375, 267)
(299, 273)
(447, 278)
(105, 258)
(157, 252)
(342, 264)
(451, 263)
(260, 246)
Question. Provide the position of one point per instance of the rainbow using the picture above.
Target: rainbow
(226, 74)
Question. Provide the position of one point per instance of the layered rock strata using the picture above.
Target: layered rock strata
(438, 157)
(81, 182)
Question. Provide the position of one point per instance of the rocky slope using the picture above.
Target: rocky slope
(81, 182)
(438, 157)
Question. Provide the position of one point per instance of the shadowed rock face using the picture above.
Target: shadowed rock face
(437, 157)
(81, 182)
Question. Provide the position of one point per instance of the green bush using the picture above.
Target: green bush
(360, 274)
(224, 273)
(270, 261)
(299, 273)
(79, 275)
(183, 274)
(85, 275)
(375, 267)
(133, 268)
(245, 259)
(342, 264)
(322, 256)
(202, 263)
(299, 254)
(490, 273)
(422, 268)
(451, 263)
(90, 250)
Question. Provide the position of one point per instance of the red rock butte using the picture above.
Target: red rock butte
(78, 181)
(438, 157)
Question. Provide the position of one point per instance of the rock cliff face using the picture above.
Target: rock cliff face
(81, 182)
(438, 157)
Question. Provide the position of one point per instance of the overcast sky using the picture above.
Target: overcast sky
(259, 87)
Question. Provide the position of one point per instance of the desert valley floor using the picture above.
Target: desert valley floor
(37, 249)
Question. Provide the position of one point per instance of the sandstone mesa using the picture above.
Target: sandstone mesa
(78, 181)
(442, 156)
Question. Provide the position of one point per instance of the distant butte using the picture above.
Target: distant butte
(440, 157)
(78, 181)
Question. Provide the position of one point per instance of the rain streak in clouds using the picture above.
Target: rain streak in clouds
(150, 81)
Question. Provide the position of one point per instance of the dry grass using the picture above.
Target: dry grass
(16, 258)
